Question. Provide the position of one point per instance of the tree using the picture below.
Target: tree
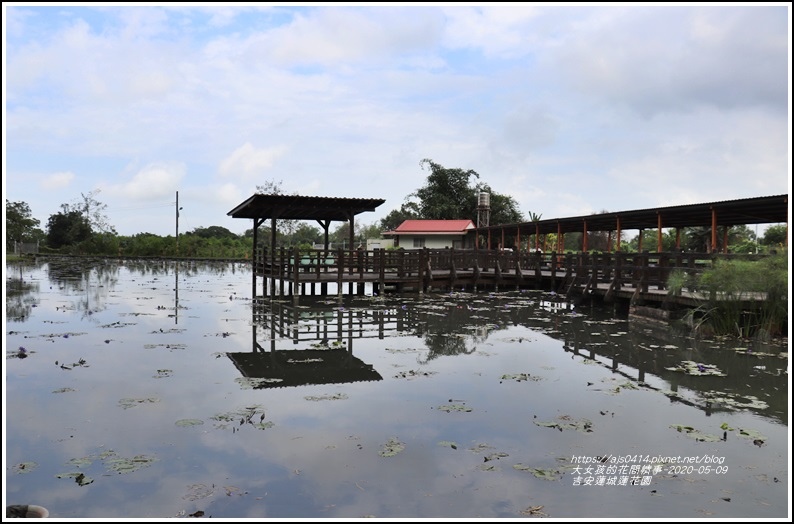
(775, 235)
(270, 187)
(408, 211)
(447, 194)
(67, 228)
(20, 224)
(504, 208)
(93, 211)
(305, 235)
(213, 232)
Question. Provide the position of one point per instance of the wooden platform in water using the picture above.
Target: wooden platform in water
(635, 277)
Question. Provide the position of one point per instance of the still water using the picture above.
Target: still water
(158, 390)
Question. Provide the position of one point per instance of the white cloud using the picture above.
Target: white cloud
(154, 181)
(247, 162)
(660, 102)
(57, 181)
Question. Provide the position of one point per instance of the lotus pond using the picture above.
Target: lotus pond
(158, 389)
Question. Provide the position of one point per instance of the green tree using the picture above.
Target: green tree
(504, 208)
(306, 235)
(447, 194)
(213, 232)
(408, 211)
(67, 228)
(20, 224)
(775, 235)
(270, 187)
(93, 212)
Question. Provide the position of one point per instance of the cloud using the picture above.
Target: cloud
(247, 162)
(57, 181)
(155, 181)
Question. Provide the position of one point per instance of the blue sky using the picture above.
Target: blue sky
(571, 109)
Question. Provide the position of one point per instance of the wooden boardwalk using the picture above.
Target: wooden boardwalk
(640, 278)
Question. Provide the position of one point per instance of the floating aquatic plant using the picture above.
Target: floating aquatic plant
(454, 407)
(186, 422)
(24, 467)
(255, 383)
(127, 403)
(696, 369)
(412, 374)
(391, 448)
(564, 422)
(545, 474)
(518, 377)
(335, 396)
(128, 465)
(80, 478)
(695, 434)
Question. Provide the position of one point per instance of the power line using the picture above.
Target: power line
(149, 206)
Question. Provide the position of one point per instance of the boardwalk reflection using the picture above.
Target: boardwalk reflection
(324, 334)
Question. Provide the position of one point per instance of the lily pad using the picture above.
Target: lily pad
(697, 369)
(752, 434)
(25, 467)
(127, 403)
(80, 478)
(521, 377)
(564, 422)
(695, 434)
(545, 474)
(413, 374)
(454, 407)
(734, 401)
(186, 422)
(255, 383)
(128, 465)
(335, 396)
(391, 448)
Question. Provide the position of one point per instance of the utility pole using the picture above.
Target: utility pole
(177, 223)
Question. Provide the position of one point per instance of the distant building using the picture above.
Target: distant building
(379, 243)
(432, 234)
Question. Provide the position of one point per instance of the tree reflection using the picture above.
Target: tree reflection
(21, 294)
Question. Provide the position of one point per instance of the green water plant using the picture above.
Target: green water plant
(730, 290)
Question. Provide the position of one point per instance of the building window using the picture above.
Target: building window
(419, 242)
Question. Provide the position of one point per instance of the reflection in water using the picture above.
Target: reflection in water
(332, 380)
(459, 323)
(20, 293)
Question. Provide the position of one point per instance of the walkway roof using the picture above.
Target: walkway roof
(759, 210)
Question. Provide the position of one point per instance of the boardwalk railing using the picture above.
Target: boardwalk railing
(422, 269)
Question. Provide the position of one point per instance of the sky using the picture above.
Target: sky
(571, 109)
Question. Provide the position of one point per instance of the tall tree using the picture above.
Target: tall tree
(775, 235)
(447, 194)
(407, 211)
(20, 224)
(67, 228)
(93, 212)
(504, 208)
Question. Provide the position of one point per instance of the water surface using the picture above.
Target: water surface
(158, 390)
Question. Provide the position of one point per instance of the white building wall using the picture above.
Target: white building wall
(431, 241)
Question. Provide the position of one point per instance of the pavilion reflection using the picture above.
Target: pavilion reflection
(329, 334)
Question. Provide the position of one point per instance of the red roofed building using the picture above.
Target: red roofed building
(432, 234)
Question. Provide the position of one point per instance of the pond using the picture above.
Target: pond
(157, 389)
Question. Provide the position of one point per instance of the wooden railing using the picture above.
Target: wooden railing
(642, 271)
